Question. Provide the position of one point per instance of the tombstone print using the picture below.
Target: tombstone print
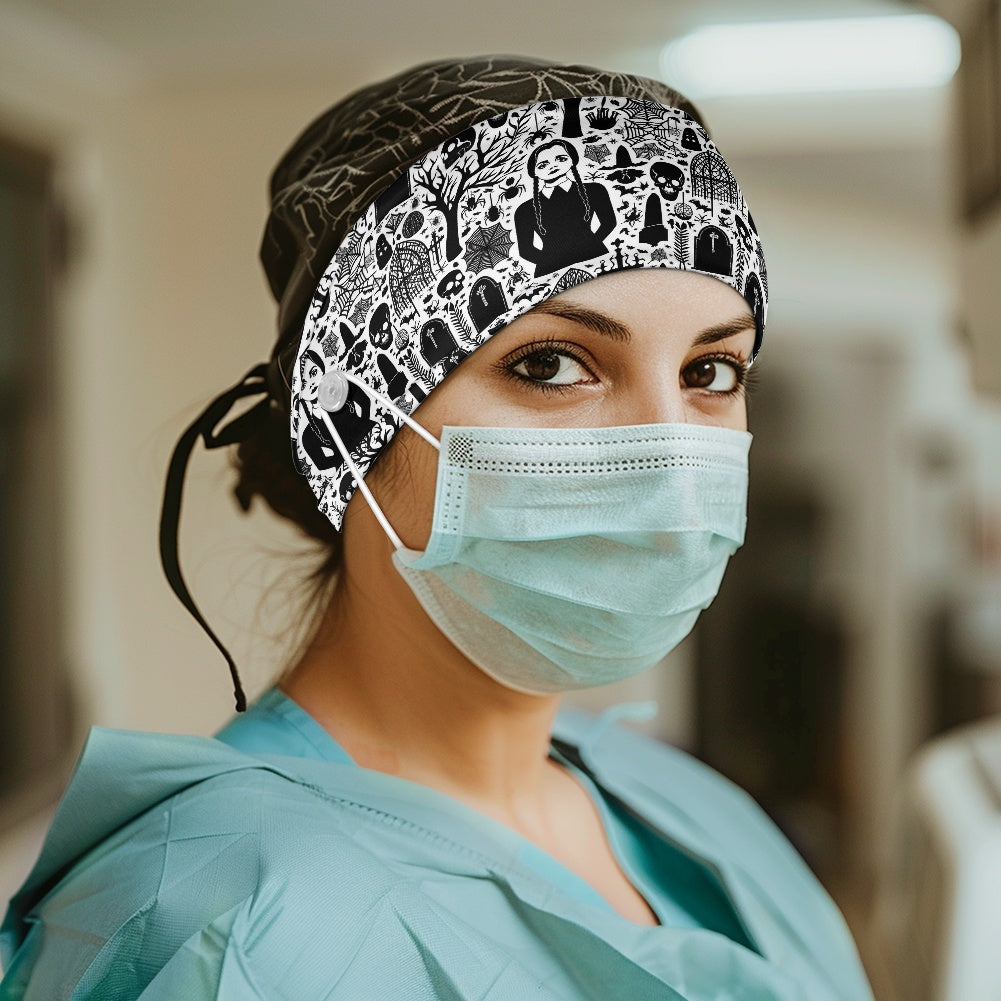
(754, 299)
(436, 341)
(713, 251)
(486, 302)
(654, 231)
(396, 381)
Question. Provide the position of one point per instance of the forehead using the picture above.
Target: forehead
(673, 298)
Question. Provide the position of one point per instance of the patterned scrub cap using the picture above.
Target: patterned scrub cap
(507, 213)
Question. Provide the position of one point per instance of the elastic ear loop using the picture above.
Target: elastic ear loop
(332, 397)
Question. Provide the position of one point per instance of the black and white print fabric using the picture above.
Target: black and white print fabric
(502, 216)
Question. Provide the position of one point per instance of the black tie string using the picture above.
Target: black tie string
(254, 383)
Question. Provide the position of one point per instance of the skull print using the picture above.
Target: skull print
(451, 284)
(380, 330)
(669, 178)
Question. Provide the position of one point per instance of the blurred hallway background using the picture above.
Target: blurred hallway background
(862, 617)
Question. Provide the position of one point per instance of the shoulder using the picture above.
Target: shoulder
(238, 867)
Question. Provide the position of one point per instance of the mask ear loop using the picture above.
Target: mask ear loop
(331, 397)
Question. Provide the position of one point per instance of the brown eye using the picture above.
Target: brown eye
(542, 366)
(550, 367)
(712, 373)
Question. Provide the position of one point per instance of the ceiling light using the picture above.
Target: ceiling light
(785, 57)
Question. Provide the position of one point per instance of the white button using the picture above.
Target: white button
(333, 391)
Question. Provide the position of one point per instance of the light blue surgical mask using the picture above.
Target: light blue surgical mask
(566, 558)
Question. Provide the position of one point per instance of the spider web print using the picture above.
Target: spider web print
(499, 217)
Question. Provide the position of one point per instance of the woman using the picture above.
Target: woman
(565, 221)
(547, 506)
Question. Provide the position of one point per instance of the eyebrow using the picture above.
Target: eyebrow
(726, 329)
(603, 324)
(590, 318)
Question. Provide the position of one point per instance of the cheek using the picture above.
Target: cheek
(735, 417)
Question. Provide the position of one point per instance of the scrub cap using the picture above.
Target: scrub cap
(379, 164)
(503, 215)
(352, 152)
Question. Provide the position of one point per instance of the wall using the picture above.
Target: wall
(980, 242)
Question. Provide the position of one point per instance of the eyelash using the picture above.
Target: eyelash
(506, 367)
(739, 366)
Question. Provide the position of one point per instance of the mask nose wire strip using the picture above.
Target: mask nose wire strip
(254, 383)
(359, 479)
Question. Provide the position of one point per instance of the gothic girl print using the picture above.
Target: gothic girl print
(353, 422)
(315, 440)
(565, 221)
(504, 215)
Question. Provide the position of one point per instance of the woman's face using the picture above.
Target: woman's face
(310, 382)
(553, 164)
(648, 346)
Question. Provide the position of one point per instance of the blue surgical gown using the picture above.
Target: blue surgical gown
(265, 864)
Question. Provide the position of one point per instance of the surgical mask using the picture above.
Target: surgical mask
(567, 558)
